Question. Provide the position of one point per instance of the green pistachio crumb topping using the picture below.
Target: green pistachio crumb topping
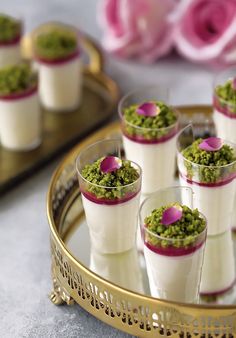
(55, 45)
(119, 178)
(164, 119)
(227, 95)
(16, 79)
(225, 155)
(184, 231)
(10, 28)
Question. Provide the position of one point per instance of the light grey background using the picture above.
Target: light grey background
(25, 310)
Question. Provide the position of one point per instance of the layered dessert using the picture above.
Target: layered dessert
(208, 166)
(218, 273)
(149, 133)
(20, 115)
(60, 69)
(224, 102)
(10, 35)
(174, 238)
(110, 190)
(123, 269)
(225, 109)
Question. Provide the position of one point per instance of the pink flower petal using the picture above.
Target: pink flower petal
(234, 83)
(171, 215)
(204, 28)
(148, 109)
(110, 164)
(211, 144)
(137, 29)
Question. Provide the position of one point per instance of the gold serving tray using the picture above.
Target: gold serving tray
(61, 131)
(134, 312)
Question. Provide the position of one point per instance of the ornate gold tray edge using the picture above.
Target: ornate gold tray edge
(131, 312)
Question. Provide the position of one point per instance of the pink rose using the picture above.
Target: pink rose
(136, 28)
(206, 30)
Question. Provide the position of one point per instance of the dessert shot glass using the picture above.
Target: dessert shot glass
(224, 116)
(214, 186)
(10, 36)
(20, 113)
(123, 269)
(152, 148)
(173, 264)
(111, 212)
(224, 104)
(58, 60)
(218, 272)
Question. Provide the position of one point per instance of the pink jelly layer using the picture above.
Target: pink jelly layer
(223, 109)
(58, 61)
(218, 292)
(229, 179)
(143, 140)
(173, 251)
(94, 199)
(19, 96)
(14, 41)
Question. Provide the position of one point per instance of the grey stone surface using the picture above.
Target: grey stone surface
(25, 310)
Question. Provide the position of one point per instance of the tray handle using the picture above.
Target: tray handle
(92, 49)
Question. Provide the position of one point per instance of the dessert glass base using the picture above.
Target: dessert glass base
(31, 146)
(127, 309)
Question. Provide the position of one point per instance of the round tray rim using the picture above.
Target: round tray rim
(198, 309)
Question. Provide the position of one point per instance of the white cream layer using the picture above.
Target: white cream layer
(215, 203)
(225, 126)
(156, 160)
(112, 228)
(174, 278)
(218, 271)
(20, 123)
(9, 55)
(60, 85)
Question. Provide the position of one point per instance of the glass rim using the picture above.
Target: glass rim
(18, 16)
(138, 168)
(225, 166)
(159, 191)
(58, 25)
(132, 92)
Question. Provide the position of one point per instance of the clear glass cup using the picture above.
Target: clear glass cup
(60, 85)
(150, 150)
(224, 115)
(173, 267)
(218, 272)
(18, 111)
(224, 112)
(214, 187)
(10, 51)
(112, 222)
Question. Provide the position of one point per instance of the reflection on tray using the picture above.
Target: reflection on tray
(122, 269)
(128, 269)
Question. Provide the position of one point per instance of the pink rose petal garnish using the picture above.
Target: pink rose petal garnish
(110, 164)
(171, 215)
(211, 144)
(234, 83)
(148, 109)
